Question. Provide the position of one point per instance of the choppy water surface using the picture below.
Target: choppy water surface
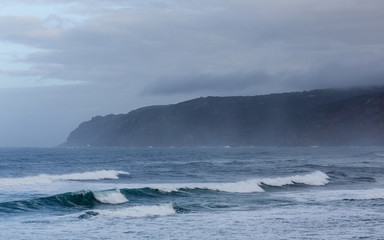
(192, 193)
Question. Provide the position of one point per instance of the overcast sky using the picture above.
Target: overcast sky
(65, 61)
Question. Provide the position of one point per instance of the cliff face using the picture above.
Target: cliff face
(354, 121)
(319, 117)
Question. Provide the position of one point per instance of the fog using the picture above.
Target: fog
(63, 62)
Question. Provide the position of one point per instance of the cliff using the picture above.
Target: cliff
(318, 117)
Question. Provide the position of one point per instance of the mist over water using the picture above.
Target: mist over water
(64, 62)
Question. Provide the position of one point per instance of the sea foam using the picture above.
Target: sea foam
(336, 195)
(113, 196)
(255, 185)
(316, 178)
(47, 179)
(140, 211)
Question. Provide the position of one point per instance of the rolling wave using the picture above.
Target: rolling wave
(66, 200)
(373, 194)
(83, 199)
(316, 178)
(113, 196)
(136, 211)
(47, 179)
(148, 193)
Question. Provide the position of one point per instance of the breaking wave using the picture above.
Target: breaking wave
(82, 199)
(138, 211)
(317, 178)
(149, 193)
(113, 196)
(47, 179)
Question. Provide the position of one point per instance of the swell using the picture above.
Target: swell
(77, 200)
(146, 202)
(47, 179)
(316, 178)
(152, 193)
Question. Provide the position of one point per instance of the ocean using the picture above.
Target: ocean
(192, 193)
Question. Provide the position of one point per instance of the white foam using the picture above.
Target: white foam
(316, 178)
(365, 194)
(47, 179)
(110, 196)
(255, 185)
(140, 211)
(336, 195)
(237, 187)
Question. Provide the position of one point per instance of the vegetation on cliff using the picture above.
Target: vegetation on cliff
(318, 117)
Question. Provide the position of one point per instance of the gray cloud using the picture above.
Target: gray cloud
(337, 75)
(230, 83)
(241, 36)
(128, 54)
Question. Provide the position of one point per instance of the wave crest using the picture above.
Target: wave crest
(316, 178)
(139, 211)
(47, 179)
(113, 196)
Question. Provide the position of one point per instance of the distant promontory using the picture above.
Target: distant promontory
(331, 117)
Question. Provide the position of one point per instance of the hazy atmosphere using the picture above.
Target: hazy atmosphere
(63, 62)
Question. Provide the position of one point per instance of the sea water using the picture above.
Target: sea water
(192, 193)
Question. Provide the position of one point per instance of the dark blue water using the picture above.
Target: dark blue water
(190, 193)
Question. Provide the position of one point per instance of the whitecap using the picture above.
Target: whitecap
(337, 195)
(113, 196)
(47, 179)
(316, 178)
(139, 211)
